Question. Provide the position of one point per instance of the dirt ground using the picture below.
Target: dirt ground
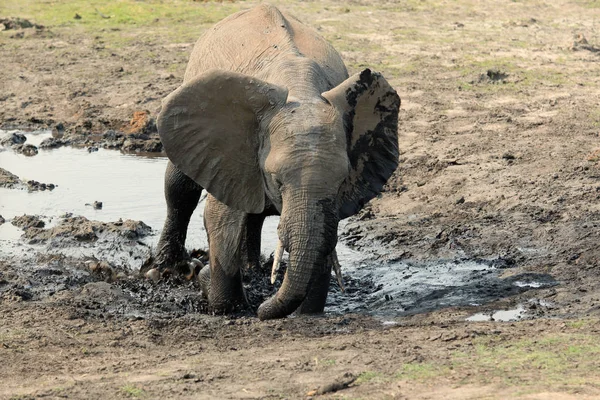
(500, 161)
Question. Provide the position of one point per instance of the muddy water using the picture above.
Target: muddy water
(131, 187)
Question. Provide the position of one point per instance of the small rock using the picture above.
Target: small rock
(103, 269)
(28, 150)
(141, 122)
(8, 179)
(92, 149)
(35, 185)
(17, 23)
(77, 16)
(460, 200)
(2, 220)
(28, 221)
(13, 139)
(53, 143)
(508, 156)
(153, 274)
(493, 75)
(97, 205)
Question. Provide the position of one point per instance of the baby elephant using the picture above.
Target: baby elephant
(268, 122)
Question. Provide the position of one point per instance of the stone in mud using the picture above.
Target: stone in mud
(141, 122)
(17, 23)
(103, 292)
(13, 139)
(25, 149)
(130, 228)
(38, 186)
(152, 145)
(493, 75)
(102, 269)
(96, 205)
(53, 143)
(2, 220)
(111, 135)
(112, 139)
(28, 221)
(8, 179)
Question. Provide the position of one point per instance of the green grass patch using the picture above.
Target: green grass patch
(132, 391)
(517, 76)
(324, 362)
(595, 118)
(421, 371)
(369, 376)
(11, 334)
(94, 14)
(569, 359)
(589, 3)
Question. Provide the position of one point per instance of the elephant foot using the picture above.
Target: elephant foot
(168, 263)
(170, 259)
(225, 294)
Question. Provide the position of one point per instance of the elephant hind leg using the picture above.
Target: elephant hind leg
(182, 195)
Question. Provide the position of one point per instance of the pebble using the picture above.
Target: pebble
(153, 274)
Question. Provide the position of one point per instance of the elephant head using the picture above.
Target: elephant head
(317, 160)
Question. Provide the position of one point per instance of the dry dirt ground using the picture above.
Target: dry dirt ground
(499, 135)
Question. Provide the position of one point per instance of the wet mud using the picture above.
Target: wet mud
(114, 251)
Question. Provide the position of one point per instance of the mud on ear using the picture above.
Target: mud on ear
(209, 129)
(370, 107)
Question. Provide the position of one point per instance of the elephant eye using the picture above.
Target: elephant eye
(276, 181)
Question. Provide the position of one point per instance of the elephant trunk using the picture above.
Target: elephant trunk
(310, 235)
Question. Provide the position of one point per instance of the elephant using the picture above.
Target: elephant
(269, 122)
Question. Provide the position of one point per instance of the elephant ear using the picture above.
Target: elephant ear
(209, 129)
(370, 107)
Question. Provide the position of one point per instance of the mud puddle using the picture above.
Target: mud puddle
(390, 289)
(528, 310)
(131, 187)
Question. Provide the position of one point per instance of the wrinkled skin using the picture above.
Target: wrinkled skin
(268, 122)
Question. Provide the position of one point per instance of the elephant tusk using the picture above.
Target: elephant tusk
(338, 269)
(276, 261)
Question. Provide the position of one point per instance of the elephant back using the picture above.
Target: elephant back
(259, 42)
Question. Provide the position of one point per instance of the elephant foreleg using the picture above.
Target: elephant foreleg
(182, 195)
(226, 231)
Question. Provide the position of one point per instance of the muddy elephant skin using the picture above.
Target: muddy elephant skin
(268, 122)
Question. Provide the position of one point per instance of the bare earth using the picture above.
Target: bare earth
(500, 161)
